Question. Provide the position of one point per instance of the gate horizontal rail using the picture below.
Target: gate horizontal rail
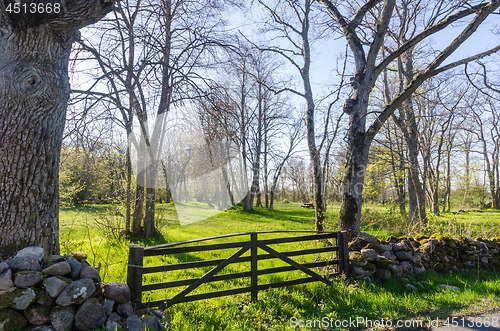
(137, 254)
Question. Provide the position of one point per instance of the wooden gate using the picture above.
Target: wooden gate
(137, 254)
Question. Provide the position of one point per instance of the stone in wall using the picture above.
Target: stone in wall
(66, 293)
(405, 256)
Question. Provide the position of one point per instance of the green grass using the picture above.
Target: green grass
(95, 229)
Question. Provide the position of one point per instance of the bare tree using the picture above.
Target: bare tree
(291, 21)
(370, 65)
(161, 66)
(121, 94)
(294, 139)
(486, 115)
(437, 111)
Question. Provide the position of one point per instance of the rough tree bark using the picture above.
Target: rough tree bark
(34, 90)
(258, 145)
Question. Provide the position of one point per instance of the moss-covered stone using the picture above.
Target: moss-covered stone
(449, 250)
(357, 244)
(76, 292)
(18, 299)
(37, 314)
(420, 237)
(11, 320)
(473, 245)
(370, 267)
(44, 299)
(440, 267)
(383, 263)
(64, 279)
(375, 246)
(53, 259)
(357, 259)
(26, 272)
(80, 256)
(392, 239)
(25, 279)
(382, 273)
(439, 237)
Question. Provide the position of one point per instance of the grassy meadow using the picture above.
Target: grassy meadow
(96, 230)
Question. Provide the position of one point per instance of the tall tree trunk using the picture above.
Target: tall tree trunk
(412, 143)
(34, 90)
(412, 200)
(467, 146)
(129, 191)
(352, 183)
(401, 186)
(397, 167)
(246, 203)
(266, 175)
(414, 174)
(149, 220)
(314, 152)
(138, 203)
(258, 146)
(448, 181)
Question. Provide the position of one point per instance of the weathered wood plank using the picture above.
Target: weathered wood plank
(236, 275)
(292, 268)
(190, 241)
(208, 275)
(296, 239)
(198, 248)
(207, 263)
(186, 282)
(295, 264)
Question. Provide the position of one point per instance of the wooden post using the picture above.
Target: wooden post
(342, 242)
(254, 279)
(134, 272)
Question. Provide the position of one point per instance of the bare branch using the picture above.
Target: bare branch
(429, 71)
(360, 14)
(424, 34)
(350, 35)
(378, 40)
(466, 60)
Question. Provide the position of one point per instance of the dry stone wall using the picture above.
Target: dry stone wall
(63, 292)
(370, 257)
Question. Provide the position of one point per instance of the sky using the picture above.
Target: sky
(328, 55)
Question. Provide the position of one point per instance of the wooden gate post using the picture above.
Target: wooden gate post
(342, 243)
(253, 267)
(134, 272)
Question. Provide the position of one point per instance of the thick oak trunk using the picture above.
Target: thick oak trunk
(34, 90)
(413, 166)
(412, 201)
(352, 186)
